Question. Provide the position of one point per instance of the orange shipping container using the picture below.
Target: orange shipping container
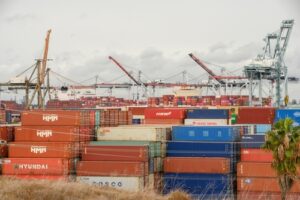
(111, 168)
(37, 166)
(242, 195)
(42, 177)
(196, 165)
(42, 150)
(47, 133)
(262, 185)
(50, 117)
(164, 121)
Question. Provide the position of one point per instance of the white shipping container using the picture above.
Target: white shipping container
(133, 184)
(206, 122)
(133, 133)
(138, 116)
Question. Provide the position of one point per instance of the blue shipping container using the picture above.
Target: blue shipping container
(252, 141)
(207, 114)
(200, 185)
(136, 121)
(201, 149)
(261, 129)
(205, 133)
(294, 114)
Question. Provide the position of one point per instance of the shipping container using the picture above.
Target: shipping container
(50, 118)
(133, 133)
(3, 150)
(294, 114)
(242, 195)
(256, 155)
(137, 110)
(202, 186)
(156, 149)
(262, 184)
(255, 169)
(115, 153)
(6, 133)
(256, 115)
(42, 150)
(201, 149)
(197, 165)
(47, 133)
(262, 129)
(252, 141)
(134, 184)
(164, 113)
(206, 122)
(164, 121)
(205, 133)
(112, 168)
(66, 178)
(207, 114)
(37, 166)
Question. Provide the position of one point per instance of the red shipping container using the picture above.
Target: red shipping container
(164, 121)
(115, 153)
(137, 110)
(255, 115)
(197, 165)
(42, 177)
(37, 166)
(165, 113)
(111, 168)
(263, 185)
(242, 195)
(47, 133)
(256, 155)
(3, 149)
(6, 133)
(50, 118)
(42, 150)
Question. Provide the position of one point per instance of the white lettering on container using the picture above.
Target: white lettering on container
(32, 166)
(163, 113)
(38, 149)
(44, 133)
(50, 117)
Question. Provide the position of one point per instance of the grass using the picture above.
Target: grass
(13, 189)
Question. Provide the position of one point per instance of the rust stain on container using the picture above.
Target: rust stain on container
(42, 150)
(115, 153)
(111, 168)
(47, 133)
(196, 165)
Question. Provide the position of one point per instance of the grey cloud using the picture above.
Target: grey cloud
(20, 17)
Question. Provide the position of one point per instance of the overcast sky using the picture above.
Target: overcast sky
(152, 36)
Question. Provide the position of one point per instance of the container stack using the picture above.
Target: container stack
(207, 117)
(201, 161)
(294, 114)
(45, 147)
(256, 177)
(165, 116)
(6, 136)
(125, 157)
(138, 114)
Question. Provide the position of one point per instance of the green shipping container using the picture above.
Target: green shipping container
(156, 149)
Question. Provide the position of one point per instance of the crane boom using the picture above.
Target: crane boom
(125, 71)
(45, 57)
(201, 64)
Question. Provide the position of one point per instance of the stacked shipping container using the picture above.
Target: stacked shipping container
(201, 161)
(164, 116)
(207, 117)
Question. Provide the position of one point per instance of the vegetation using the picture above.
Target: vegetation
(284, 141)
(13, 189)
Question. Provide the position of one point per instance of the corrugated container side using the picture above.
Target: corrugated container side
(256, 155)
(201, 185)
(263, 128)
(3, 149)
(164, 113)
(37, 166)
(43, 177)
(205, 133)
(136, 133)
(164, 121)
(206, 122)
(207, 114)
(197, 165)
(112, 168)
(47, 133)
(262, 185)
(134, 184)
(42, 150)
(50, 118)
(252, 141)
(115, 153)
(241, 195)
(255, 115)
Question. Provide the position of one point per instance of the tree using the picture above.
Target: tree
(284, 140)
